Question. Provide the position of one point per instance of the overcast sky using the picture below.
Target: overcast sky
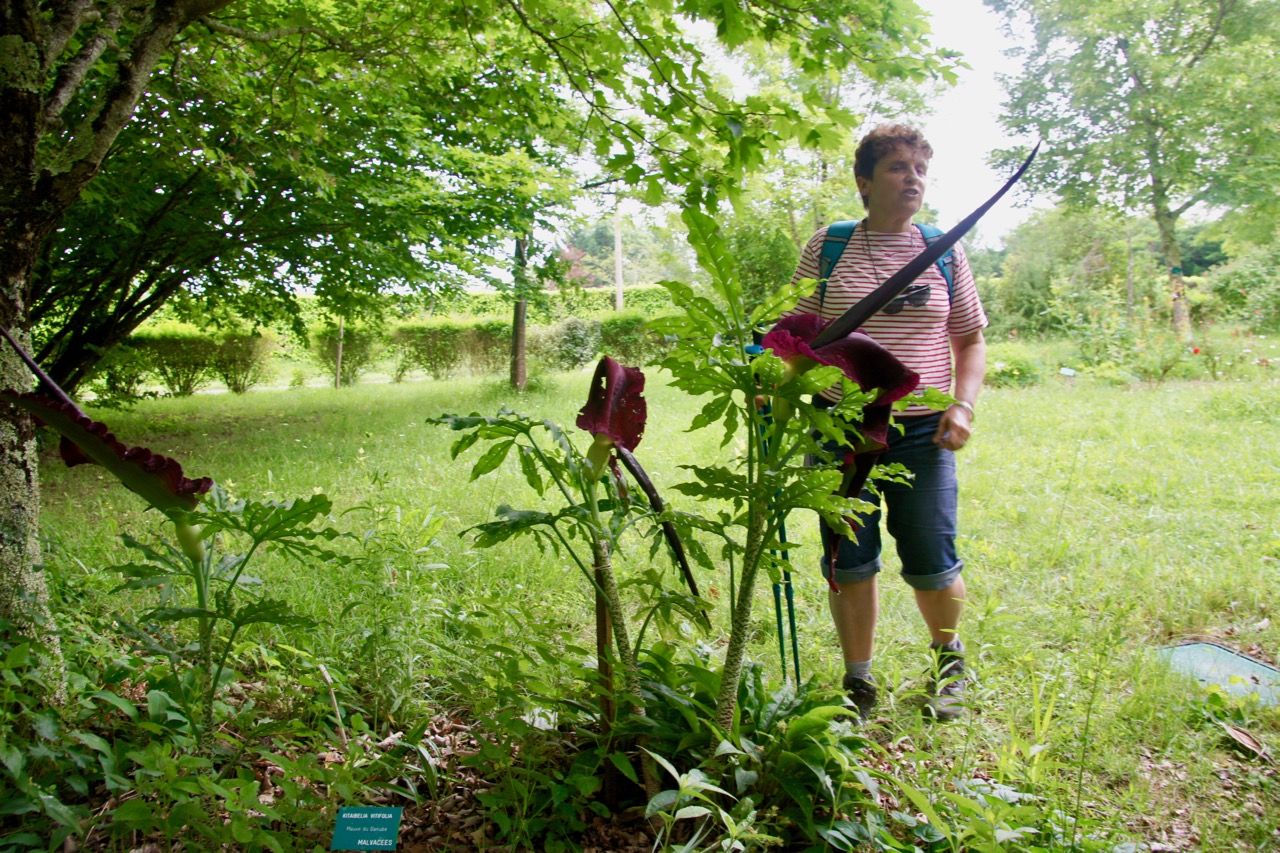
(965, 126)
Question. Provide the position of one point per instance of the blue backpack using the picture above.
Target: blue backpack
(837, 238)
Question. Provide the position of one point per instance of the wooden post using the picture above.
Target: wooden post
(337, 366)
(617, 256)
(519, 320)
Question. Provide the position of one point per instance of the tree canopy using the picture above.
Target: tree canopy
(1152, 105)
(363, 148)
(315, 161)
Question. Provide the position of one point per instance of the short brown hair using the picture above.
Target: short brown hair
(881, 142)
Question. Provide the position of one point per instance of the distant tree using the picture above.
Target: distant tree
(765, 255)
(1202, 247)
(1151, 105)
(651, 251)
(987, 262)
(1064, 262)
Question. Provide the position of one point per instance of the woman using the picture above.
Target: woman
(936, 330)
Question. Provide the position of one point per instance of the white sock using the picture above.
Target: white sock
(858, 668)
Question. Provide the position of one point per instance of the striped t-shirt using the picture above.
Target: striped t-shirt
(919, 335)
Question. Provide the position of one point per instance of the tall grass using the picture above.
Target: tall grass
(1098, 524)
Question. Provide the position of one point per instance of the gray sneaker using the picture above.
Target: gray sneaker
(862, 693)
(946, 691)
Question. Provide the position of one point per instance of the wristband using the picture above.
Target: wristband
(968, 407)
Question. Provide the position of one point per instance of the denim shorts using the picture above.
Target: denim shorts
(921, 515)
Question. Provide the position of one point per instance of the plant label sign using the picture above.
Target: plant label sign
(366, 828)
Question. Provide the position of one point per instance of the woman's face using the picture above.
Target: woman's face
(896, 186)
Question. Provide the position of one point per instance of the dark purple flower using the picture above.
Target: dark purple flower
(615, 412)
(866, 363)
(158, 479)
(869, 366)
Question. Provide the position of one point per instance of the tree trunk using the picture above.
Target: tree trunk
(1172, 252)
(1167, 223)
(24, 595)
(24, 592)
(519, 320)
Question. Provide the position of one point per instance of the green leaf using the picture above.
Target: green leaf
(512, 522)
(270, 611)
(727, 748)
(532, 473)
(781, 301)
(623, 764)
(18, 656)
(135, 814)
(492, 458)
(19, 805)
(94, 742)
(661, 801)
(176, 614)
(692, 812)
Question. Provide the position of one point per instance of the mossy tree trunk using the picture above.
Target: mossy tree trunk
(51, 147)
(24, 594)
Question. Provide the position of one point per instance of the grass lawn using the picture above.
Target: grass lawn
(1098, 524)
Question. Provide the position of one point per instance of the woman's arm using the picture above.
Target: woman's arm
(970, 355)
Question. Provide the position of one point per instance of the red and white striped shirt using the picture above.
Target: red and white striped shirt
(919, 335)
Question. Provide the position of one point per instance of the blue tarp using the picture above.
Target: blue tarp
(1210, 663)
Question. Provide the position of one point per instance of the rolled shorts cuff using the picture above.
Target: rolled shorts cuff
(855, 575)
(928, 583)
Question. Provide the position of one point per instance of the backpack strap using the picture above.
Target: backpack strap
(946, 263)
(838, 234)
(837, 237)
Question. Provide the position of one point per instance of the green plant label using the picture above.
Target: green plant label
(366, 828)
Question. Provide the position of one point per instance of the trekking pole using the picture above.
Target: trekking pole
(791, 606)
(767, 411)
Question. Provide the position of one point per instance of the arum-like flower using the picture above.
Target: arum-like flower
(866, 363)
(615, 412)
(615, 415)
(158, 479)
(869, 366)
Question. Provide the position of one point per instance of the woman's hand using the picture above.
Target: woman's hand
(954, 428)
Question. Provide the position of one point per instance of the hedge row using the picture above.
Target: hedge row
(182, 359)
(443, 348)
(553, 307)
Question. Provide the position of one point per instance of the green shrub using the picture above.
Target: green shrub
(1011, 365)
(1155, 355)
(435, 346)
(627, 338)
(117, 379)
(1250, 286)
(576, 343)
(180, 356)
(361, 347)
(487, 346)
(548, 307)
(240, 360)
(1110, 373)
